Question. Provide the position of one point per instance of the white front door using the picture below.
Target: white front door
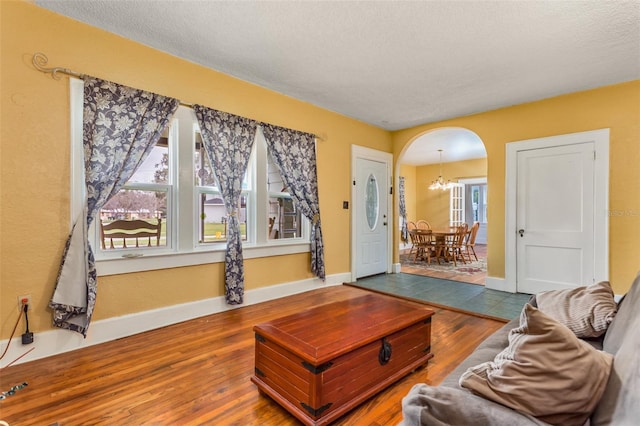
(555, 217)
(371, 217)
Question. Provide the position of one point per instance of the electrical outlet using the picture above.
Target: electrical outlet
(21, 300)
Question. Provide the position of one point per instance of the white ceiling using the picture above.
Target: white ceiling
(393, 64)
(456, 144)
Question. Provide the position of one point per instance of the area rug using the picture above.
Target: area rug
(469, 268)
(447, 294)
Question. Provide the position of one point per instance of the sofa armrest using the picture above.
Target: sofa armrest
(435, 406)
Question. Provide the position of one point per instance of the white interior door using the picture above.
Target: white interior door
(555, 217)
(371, 217)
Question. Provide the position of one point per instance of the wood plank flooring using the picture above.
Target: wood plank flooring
(198, 372)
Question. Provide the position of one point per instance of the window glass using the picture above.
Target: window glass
(371, 202)
(285, 220)
(212, 223)
(130, 205)
(479, 200)
(144, 197)
(155, 168)
(203, 171)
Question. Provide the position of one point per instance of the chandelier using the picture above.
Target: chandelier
(440, 183)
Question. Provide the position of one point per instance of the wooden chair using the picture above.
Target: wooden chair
(451, 247)
(470, 243)
(423, 224)
(425, 246)
(130, 229)
(414, 243)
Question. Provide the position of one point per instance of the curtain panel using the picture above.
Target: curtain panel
(404, 231)
(121, 125)
(228, 140)
(294, 153)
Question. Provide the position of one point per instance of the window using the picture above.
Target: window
(479, 202)
(176, 187)
(145, 196)
(285, 221)
(211, 212)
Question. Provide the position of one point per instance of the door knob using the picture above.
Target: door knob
(521, 232)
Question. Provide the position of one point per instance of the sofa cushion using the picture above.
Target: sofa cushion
(443, 406)
(620, 403)
(587, 311)
(627, 310)
(546, 371)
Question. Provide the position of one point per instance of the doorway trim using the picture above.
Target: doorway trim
(600, 138)
(361, 152)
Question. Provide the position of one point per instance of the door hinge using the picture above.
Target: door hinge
(354, 183)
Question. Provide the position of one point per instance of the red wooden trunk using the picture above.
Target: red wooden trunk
(321, 363)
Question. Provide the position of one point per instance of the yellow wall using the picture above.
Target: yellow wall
(615, 107)
(34, 216)
(34, 162)
(433, 206)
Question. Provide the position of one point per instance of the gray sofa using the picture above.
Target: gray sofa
(451, 404)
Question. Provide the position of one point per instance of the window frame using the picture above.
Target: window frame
(182, 248)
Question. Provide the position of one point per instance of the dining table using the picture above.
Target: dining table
(439, 236)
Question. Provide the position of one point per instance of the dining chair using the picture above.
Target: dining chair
(451, 247)
(470, 243)
(423, 224)
(425, 247)
(411, 226)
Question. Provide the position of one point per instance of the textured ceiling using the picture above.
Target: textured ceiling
(393, 64)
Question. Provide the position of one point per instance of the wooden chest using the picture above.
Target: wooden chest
(321, 363)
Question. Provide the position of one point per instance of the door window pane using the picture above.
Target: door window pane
(371, 202)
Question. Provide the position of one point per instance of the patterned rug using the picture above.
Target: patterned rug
(462, 268)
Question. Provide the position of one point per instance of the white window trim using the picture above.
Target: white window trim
(185, 252)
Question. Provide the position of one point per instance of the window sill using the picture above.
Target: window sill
(151, 261)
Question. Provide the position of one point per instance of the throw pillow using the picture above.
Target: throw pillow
(587, 311)
(546, 371)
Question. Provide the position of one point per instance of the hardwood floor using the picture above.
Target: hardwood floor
(198, 372)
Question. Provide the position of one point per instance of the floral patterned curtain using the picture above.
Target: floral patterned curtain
(295, 156)
(121, 125)
(404, 232)
(228, 140)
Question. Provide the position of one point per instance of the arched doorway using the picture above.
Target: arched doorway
(450, 154)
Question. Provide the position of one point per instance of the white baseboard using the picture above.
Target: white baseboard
(500, 284)
(396, 268)
(53, 342)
